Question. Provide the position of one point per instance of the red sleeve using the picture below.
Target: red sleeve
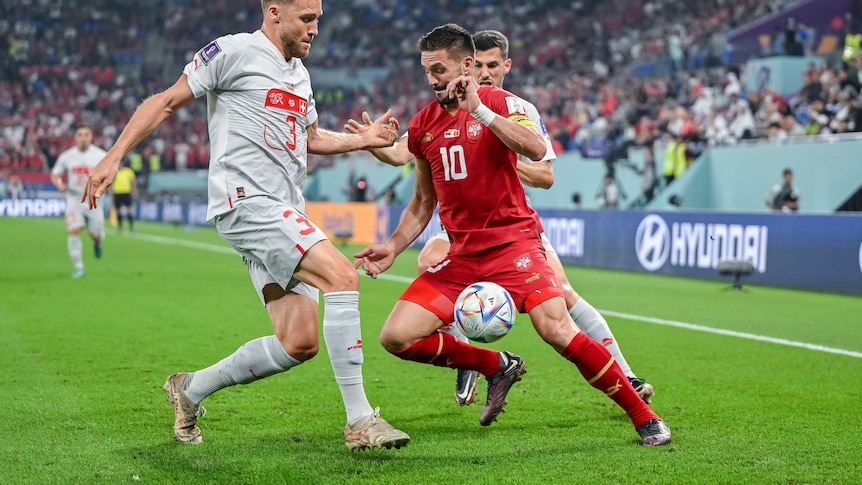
(502, 102)
(414, 135)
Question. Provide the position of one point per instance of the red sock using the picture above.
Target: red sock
(444, 350)
(602, 372)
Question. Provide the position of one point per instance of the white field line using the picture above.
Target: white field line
(628, 316)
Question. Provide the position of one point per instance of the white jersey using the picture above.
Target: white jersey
(533, 114)
(259, 106)
(77, 165)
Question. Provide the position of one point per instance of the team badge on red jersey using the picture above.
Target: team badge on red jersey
(474, 129)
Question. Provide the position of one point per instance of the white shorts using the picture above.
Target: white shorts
(78, 217)
(272, 238)
(441, 236)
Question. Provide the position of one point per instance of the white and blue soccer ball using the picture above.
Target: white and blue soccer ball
(485, 312)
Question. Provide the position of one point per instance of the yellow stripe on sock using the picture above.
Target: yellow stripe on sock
(602, 372)
(439, 348)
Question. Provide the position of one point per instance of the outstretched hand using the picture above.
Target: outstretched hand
(379, 133)
(374, 259)
(100, 178)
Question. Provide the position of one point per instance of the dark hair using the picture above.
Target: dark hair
(83, 124)
(450, 37)
(486, 40)
(787, 171)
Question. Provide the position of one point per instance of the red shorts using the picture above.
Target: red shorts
(521, 267)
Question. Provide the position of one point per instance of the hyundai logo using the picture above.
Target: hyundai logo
(652, 242)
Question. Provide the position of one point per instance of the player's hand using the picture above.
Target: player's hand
(355, 127)
(379, 133)
(99, 180)
(465, 90)
(374, 259)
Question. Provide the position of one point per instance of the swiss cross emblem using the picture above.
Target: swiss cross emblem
(523, 262)
(302, 106)
(474, 129)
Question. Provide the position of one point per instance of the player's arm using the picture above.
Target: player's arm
(149, 115)
(377, 258)
(520, 134)
(397, 155)
(58, 182)
(379, 133)
(536, 174)
(419, 210)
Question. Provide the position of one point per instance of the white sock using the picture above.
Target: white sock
(454, 330)
(76, 247)
(343, 338)
(253, 361)
(592, 323)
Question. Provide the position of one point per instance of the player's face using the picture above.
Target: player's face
(297, 26)
(83, 138)
(440, 70)
(490, 68)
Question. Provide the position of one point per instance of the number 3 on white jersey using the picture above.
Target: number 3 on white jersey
(454, 165)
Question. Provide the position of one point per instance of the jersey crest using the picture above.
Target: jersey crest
(474, 129)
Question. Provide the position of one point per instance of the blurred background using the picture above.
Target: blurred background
(677, 106)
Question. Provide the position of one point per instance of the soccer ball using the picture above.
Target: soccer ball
(484, 311)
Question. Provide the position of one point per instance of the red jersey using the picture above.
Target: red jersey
(482, 201)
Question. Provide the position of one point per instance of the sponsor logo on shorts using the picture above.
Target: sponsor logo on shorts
(523, 262)
(240, 192)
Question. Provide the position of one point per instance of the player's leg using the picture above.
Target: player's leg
(322, 266)
(118, 208)
(411, 333)
(74, 219)
(96, 228)
(592, 323)
(294, 317)
(597, 366)
(130, 213)
(433, 252)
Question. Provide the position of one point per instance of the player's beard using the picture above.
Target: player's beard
(294, 46)
(446, 102)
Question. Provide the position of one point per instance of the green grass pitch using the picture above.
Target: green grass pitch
(83, 362)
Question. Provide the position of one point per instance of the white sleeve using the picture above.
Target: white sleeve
(60, 166)
(211, 66)
(536, 118)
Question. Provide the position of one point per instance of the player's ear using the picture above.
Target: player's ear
(467, 66)
(274, 12)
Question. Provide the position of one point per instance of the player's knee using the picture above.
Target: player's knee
(557, 332)
(301, 349)
(345, 278)
(391, 340)
(570, 295)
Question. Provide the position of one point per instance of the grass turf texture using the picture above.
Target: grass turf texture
(85, 360)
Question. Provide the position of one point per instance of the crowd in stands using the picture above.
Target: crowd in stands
(69, 61)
